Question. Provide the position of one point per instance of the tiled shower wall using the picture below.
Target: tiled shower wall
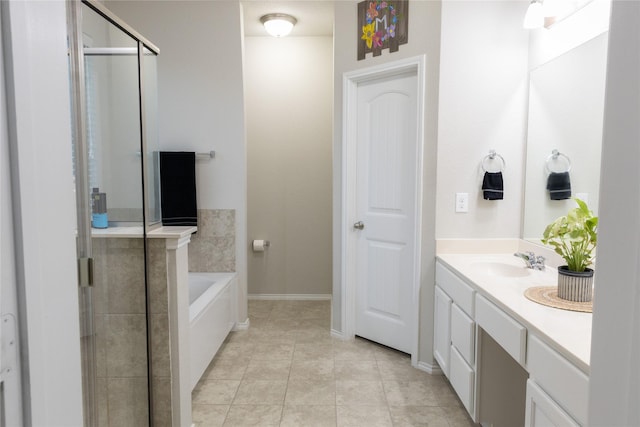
(121, 331)
(121, 319)
(213, 247)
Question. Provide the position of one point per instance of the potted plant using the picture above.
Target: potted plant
(574, 238)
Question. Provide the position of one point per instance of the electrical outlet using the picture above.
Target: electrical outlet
(462, 202)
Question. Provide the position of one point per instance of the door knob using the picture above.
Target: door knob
(358, 225)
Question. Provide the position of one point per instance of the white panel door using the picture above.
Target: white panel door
(387, 162)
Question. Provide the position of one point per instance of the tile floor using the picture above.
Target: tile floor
(287, 370)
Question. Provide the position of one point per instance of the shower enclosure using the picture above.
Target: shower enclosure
(113, 81)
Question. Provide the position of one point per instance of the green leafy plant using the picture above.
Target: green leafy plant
(574, 237)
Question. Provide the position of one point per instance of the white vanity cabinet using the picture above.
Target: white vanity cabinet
(493, 347)
(553, 379)
(454, 335)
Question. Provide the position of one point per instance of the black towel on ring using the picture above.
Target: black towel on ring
(178, 188)
(492, 186)
(559, 185)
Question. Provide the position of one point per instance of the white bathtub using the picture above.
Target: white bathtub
(211, 317)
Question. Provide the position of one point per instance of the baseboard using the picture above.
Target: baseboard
(291, 297)
(241, 326)
(339, 335)
(432, 369)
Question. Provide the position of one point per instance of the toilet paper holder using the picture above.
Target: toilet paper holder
(260, 245)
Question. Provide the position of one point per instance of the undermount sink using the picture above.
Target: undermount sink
(499, 269)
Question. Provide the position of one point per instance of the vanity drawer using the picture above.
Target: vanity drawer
(463, 333)
(462, 378)
(460, 292)
(511, 335)
(565, 383)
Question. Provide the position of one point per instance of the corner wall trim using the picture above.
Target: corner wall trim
(291, 297)
(339, 335)
(241, 326)
(429, 368)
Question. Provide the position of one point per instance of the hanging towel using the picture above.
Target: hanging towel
(492, 186)
(178, 188)
(559, 185)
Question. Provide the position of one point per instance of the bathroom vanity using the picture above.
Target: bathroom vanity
(502, 352)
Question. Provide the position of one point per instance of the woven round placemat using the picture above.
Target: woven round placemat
(548, 295)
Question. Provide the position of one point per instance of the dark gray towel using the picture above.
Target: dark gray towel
(492, 186)
(178, 188)
(559, 185)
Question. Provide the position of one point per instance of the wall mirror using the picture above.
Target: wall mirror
(566, 108)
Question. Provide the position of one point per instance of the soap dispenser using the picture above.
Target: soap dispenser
(99, 209)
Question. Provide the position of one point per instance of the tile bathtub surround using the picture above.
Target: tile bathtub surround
(213, 247)
(287, 370)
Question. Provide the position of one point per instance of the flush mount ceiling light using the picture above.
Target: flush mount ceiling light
(534, 17)
(278, 24)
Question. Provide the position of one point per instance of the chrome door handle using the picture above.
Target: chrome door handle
(358, 225)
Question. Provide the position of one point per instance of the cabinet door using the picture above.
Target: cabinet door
(543, 411)
(559, 378)
(442, 330)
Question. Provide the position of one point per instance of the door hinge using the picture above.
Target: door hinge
(85, 272)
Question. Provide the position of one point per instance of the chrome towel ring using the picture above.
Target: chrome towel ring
(492, 158)
(558, 157)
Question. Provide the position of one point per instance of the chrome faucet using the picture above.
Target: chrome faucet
(531, 260)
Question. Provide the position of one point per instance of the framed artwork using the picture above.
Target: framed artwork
(382, 25)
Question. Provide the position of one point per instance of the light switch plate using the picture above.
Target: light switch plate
(462, 202)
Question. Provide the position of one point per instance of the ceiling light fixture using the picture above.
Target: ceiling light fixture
(278, 24)
(534, 17)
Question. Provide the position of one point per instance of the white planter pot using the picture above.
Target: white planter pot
(575, 286)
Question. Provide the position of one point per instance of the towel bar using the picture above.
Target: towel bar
(210, 155)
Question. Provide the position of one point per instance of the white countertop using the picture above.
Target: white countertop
(568, 332)
(169, 232)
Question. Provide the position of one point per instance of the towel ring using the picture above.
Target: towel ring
(555, 155)
(490, 158)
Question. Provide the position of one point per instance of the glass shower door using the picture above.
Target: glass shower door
(109, 169)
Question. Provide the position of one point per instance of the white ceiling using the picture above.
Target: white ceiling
(315, 18)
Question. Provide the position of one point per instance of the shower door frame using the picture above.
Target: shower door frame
(83, 201)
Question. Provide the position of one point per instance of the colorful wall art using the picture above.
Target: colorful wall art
(382, 25)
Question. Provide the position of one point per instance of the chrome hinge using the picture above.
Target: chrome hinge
(8, 347)
(85, 272)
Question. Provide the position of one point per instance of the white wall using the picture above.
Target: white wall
(200, 95)
(289, 104)
(44, 210)
(614, 385)
(424, 38)
(483, 106)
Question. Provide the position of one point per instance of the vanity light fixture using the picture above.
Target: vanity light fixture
(534, 18)
(278, 24)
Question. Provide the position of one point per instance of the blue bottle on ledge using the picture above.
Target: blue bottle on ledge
(99, 209)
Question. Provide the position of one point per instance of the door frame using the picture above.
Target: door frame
(350, 83)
